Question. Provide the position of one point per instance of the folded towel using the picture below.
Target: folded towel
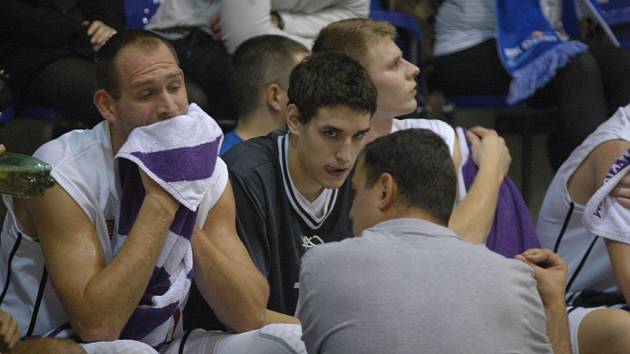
(180, 155)
(529, 47)
(603, 215)
(512, 230)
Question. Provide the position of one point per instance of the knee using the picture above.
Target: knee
(620, 333)
(605, 331)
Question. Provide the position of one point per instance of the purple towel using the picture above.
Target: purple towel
(512, 228)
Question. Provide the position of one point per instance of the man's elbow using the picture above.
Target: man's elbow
(469, 234)
(248, 322)
(94, 331)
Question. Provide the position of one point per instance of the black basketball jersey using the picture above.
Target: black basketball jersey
(272, 224)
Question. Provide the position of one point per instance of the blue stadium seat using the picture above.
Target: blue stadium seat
(7, 114)
(614, 18)
(139, 12)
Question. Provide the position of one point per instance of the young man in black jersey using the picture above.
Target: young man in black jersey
(291, 188)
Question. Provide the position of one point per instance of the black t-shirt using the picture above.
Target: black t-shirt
(272, 229)
(275, 231)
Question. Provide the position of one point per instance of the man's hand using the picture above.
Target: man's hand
(156, 192)
(489, 149)
(9, 332)
(99, 33)
(215, 26)
(622, 191)
(550, 272)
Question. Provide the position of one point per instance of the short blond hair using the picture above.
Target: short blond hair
(353, 37)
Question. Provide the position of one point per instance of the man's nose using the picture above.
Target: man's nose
(168, 106)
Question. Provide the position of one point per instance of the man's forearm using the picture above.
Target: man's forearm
(472, 218)
(48, 346)
(558, 325)
(112, 295)
(236, 292)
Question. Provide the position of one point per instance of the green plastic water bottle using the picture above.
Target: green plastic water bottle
(24, 176)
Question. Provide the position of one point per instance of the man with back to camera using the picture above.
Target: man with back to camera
(409, 284)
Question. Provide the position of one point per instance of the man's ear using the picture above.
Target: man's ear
(388, 191)
(275, 97)
(104, 102)
(293, 120)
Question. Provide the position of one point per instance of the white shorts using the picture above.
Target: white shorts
(576, 316)
(270, 339)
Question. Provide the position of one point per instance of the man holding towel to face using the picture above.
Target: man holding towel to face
(141, 206)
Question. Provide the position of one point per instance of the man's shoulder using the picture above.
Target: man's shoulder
(76, 145)
(252, 154)
(435, 125)
(336, 255)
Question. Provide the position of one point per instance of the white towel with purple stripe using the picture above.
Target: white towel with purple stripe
(180, 154)
(603, 215)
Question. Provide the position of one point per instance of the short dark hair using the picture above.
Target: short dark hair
(330, 80)
(104, 63)
(421, 165)
(259, 62)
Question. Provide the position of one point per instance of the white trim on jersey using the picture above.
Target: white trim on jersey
(313, 214)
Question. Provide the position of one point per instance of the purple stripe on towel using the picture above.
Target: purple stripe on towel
(184, 222)
(158, 285)
(132, 192)
(145, 319)
(182, 164)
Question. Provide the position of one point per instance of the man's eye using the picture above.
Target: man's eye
(330, 133)
(359, 136)
(145, 94)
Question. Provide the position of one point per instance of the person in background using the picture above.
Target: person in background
(47, 50)
(261, 69)
(300, 20)
(587, 85)
(202, 55)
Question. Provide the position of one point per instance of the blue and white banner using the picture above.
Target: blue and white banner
(530, 49)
